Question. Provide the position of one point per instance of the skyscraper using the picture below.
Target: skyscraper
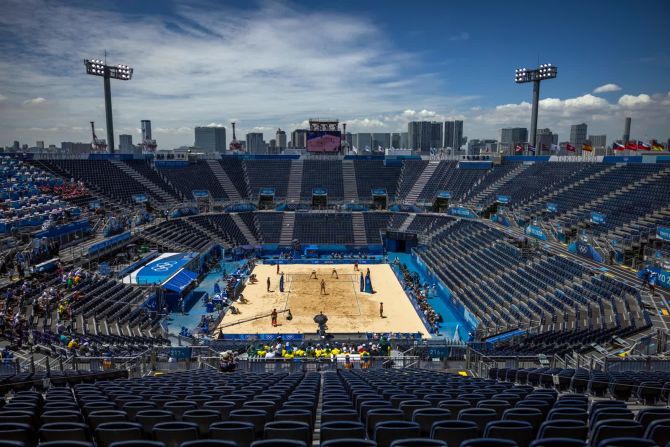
(280, 138)
(436, 135)
(578, 135)
(125, 143)
(40, 145)
(453, 134)
(545, 138)
(210, 139)
(255, 143)
(598, 141)
(146, 130)
(511, 136)
(380, 139)
(420, 135)
(299, 138)
(363, 141)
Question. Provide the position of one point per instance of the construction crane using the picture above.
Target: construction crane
(97, 145)
(234, 144)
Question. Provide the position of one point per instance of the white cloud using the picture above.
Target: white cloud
(460, 36)
(34, 101)
(607, 88)
(3, 98)
(215, 125)
(632, 101)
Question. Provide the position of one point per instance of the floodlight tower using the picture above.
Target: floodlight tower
(97, 67)
(524, 75)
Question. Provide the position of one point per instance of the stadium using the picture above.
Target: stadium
(353, 300)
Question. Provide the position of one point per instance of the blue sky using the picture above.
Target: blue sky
(375, 65)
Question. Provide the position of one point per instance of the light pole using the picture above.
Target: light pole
(97, 67)
(524, 75)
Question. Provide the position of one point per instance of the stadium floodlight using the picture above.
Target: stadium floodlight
(542, 73)
(97, 67)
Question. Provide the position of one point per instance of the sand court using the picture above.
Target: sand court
(348, 309)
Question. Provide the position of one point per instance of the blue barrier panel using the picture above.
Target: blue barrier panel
(140, 198)
(200, 193)
(614, 159)
(536, 232)
(266, 192)
(585, 250)
(180, 352)
(552, 207)
(108, 243)
(378, 191)
(461, 212)
(80, 225)
(658, 276)
(663, 233)
(475, 164)
(597, 218)
(503, 199)
(319, 192)
(505, 336)
(444, 195)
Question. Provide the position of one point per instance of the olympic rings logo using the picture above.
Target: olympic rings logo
(163, 266)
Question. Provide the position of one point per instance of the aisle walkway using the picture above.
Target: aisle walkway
(441, 304)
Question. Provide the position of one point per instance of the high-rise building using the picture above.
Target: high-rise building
(578, 135)
(420, 135)
(363, 141)
(299, 139)
(395, 140)
(75, 148)
(436, 135)
(545, 138)
(146, 130)
(280, 138)
(382, 140)
(255, 143)
(598, 141)
(273, 148)
(476, 147)
(626, 129)
(16, 146)
(40, 145)
(453, 134)
(404, 140)
(511, 136)
(125, 142)
(210, 139)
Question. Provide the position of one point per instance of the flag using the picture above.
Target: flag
(631, 145)
(642, 146)
(354, 149)
(518, 148)
(570, 148)
(656, 146)
(379, 148)
(617, 146)
(367, 148)
(555, 148)
(531, 149)
(587, 147)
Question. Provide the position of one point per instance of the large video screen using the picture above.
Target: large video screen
(324, 141)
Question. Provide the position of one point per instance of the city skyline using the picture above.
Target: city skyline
(211, 63)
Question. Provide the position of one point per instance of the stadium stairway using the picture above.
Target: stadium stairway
(164, 196)
(407, 222)
(244, 228)
(489, 191)
(286, 235)
(350, 187)
(215, 237)
(294, 184)
(424, 178)
(224, 180)
(358, 224)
